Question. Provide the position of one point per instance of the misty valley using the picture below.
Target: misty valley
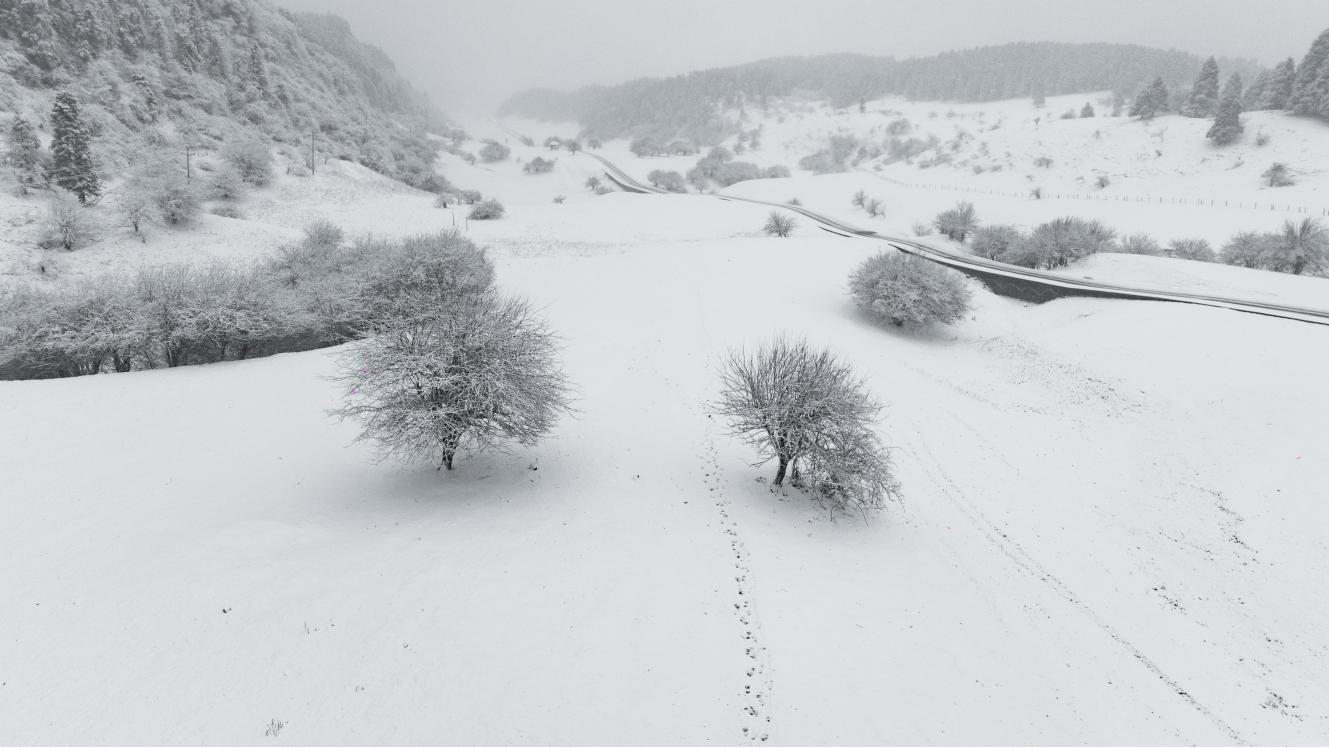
(505, 373)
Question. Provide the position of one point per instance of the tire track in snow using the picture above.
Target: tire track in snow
(756, 694)
(1024, 561)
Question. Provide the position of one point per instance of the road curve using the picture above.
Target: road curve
(1002, 278)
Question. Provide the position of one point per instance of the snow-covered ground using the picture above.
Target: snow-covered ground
(1111, 530)
(1164, 177)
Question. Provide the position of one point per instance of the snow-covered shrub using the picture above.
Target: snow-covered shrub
(487, 210)
(1278, 175)
(958, 222)
(560, 199)
(996, 242)
(136, 209)
(157, 176)
(776, 172)
(645, 146)
(1301, 247)
(922, 229)
(1191, 249)
(176, 198)
(29, 322)
(860, 199)
(733, 172)
(667, 180)
(226, 211)
(494, 151)
(469, 197)
(474, 374)
(1248, 250)
(903, 289)
(1062, 241)
(189, 316)
(226, 183)
(67, 225)
(323, 233)
(410, 278)
(1140, 244)
(779, 224)
(806, 410)
(875, 208)
(538, 165)
(817, 163)
(252, 158)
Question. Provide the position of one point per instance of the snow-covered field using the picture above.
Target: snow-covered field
(1111, 530)
(1162, 175)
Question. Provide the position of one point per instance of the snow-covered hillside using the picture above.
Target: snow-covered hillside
(1163, 176)
(1110, 532)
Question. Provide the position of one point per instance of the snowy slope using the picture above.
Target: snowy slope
(1111, 529)
(1164, 176)
(1110, 533)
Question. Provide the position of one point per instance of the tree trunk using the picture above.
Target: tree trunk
(779, 473)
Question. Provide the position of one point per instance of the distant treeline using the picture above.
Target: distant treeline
(691, 106)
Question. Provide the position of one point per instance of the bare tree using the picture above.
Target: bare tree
(958, 222)
(66, 225)
(806, 410)
(480, 372)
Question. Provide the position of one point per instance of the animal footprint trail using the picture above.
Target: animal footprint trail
(755, 697)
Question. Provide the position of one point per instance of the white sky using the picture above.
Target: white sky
(470, 55)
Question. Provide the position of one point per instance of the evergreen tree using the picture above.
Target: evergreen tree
(1152, 100)
(24, 152)
(1278, 93)
(1227, 123)
(1309, 95)
(1087, 112)
(33, 29)
(1257, 93)
(258, 70)
(1203, 101)
(150, 111)
(71, 157)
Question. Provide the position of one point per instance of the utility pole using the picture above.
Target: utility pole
(312, 152)
(189, 153)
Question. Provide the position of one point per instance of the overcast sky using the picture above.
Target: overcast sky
(469, 55)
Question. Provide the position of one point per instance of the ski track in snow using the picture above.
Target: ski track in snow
(1012, 550)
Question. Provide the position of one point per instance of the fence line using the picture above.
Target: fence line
(1112, 197)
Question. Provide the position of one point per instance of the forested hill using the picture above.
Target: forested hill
(686, 104)
(211, 67)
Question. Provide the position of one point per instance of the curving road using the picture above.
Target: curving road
(1001, 278)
